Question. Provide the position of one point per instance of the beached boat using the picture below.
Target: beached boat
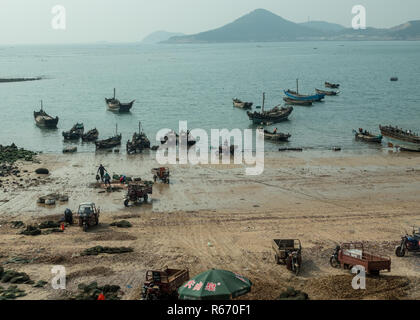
(290, 101)
(139, 142)
(184, 135)
(327, 93)
(302, 97)
(274, 115)
(44, 120)
(276, 136)
(331, 85)
(399, 135)
(367, 136)
(109, 143)
(115, 105)
(240, 104)
(91, 135)
(75, 133)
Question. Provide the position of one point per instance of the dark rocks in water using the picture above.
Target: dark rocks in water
(42, 171)
(92, 291)
(121, 224)
(31, 231)
(291, 294)
(94, 251)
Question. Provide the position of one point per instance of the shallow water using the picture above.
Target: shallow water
(197, 82)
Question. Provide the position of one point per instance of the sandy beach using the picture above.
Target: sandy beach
(214, 216)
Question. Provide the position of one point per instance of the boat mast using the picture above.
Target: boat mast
(41, 105)
(116, 129)
(297, 86)
(263, 102)
(114, 93)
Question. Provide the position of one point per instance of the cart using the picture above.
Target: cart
(161, 173)
(88, 215)
(288, 252)
(137, 191)
(160, 285)
(349, 255)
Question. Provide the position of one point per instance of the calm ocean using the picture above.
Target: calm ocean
(197, 83)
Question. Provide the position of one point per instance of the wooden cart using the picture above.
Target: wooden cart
(288, 252)
(161, 173)
(164, 284)
(137, 191)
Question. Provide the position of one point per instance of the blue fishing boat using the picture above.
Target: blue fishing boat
(300, 97)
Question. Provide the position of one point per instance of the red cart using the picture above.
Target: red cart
(349, 255)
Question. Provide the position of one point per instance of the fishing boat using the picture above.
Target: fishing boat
(394, 79)
(331, 85)
(274, 115)
(44, 120)
(75, 133)
(184, 135)
(276, 136)
(115, 105)
(110, 142)
(240, 104)
(138, 143)
(399, 135)
(367, 136)
(290, 101)
(301, 97)
(91, 135)
(327, 93)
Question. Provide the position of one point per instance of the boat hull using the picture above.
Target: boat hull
(371, 139)
(43, 120)
(290, 101)
(258, 117)
(312, 98)
(116, 106)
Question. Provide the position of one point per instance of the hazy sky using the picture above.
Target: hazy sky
(29, 21)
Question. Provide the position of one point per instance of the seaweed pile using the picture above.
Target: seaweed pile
(10, 154)
(291, 294)
(94, 251)
(92, 292)
(121, 224)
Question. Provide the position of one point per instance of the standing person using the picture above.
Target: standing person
(107, 179)
(102, 171)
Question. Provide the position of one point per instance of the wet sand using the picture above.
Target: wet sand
(214, 216)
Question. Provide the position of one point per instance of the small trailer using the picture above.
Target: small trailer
(160, 285)
(349, 255)
(288, 252)
(137, 191)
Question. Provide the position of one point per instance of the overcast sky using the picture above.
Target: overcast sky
(29, 21)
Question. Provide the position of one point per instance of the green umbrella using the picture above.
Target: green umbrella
(215, 285)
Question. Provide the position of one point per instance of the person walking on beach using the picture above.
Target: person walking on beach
(107, 179)
(102, 171)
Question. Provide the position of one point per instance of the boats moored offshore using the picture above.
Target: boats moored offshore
(44, 120)
(403, 139)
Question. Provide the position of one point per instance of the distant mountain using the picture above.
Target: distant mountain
(159, 36)
(264, 26)
(323, 26)
(259, 26)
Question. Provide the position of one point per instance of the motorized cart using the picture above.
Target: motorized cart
(288, 252)
(137, 191)
(161, 173)
(88, 215)
(409, 243)
(160, 285)
(349, 255)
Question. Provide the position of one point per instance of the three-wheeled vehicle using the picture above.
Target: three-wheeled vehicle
(137, 191)
(288, 252)
(88, 215)
(161, 173)
(409, 243)
(161, 285)
(349, 255)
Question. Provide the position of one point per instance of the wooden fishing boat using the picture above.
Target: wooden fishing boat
(327, 93)
(139, 142)
(171, 134)
(367, 136)
(91, 135)
(75, 133)
(276, 136)
(274, 115)
(301, 97)
(115, 105)
(240, 104)
(109, 143)
(400, 135)
(44, 120)
(394, 79)
(331, 85)
(290, 101)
